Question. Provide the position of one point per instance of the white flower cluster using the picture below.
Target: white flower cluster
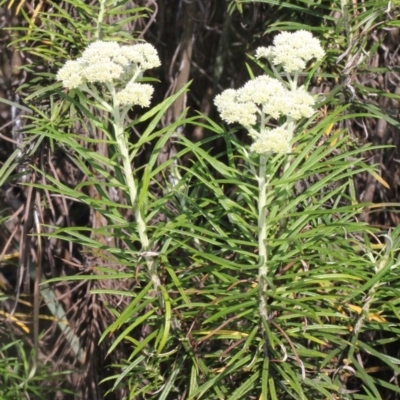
(106, 62)
(292, 50)
(233, 110)
(275, 140)
(141, 92)
(269, 98)
(268, 93)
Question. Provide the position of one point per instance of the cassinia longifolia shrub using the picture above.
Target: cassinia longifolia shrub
(263, 100)
(259, 103)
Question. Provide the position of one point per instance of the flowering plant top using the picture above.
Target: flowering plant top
(264, 98)
(112, 64)
(292, 50)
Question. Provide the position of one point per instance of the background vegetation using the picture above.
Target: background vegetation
(80, 317)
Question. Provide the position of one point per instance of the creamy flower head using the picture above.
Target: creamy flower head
(100, 51)
(107, 62)
(277, 105)
(263, 94)
(272, 141)
(260, 90)
(263, 52)
(142, 54)
(102, 71)
(292, 50)
(71, 74)
(300, 104)
(135, 94)
(233, 110)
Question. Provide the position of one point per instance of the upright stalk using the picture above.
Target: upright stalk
(262, 237)
(100, 19)
(123, 148)
(116, 67)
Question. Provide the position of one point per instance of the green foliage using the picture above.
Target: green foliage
(20, 377)
(209, 323)
(332, 283)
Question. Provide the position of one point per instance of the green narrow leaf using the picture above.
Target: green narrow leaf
(167, 319)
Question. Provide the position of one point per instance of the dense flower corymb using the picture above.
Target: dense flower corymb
(300, 104)
(71, 74)
(233, 110)
(264, 97)
(100, 51)
(292, 50)
(135, 94)
(261, 90)
(102, 71)
(143, 54)
(272, 141)
(106, 62)
(267, 94)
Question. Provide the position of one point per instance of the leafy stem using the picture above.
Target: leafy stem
(262, 237)
(123, 147)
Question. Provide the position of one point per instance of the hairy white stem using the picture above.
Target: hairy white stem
(262, 238)
(123, 147)
(100, 19)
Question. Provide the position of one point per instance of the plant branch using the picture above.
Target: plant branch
(123, 147)
(262, 238)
